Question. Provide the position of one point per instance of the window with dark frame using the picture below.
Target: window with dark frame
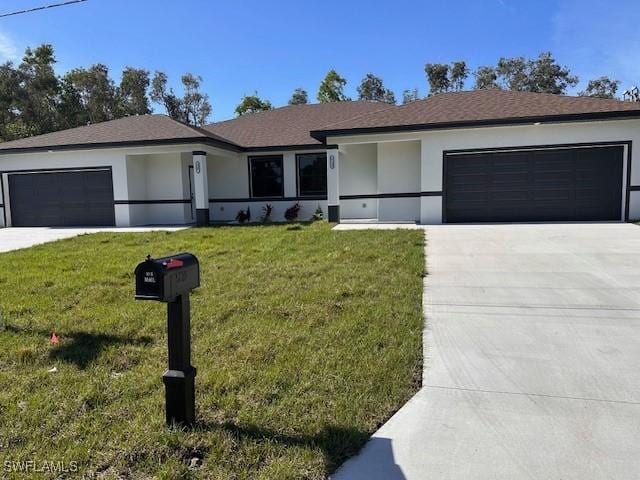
(266, 176)
(312, 174)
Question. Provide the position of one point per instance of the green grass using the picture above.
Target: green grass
(305, 341)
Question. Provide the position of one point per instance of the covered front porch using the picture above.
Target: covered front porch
(169, 186)
(375, 182)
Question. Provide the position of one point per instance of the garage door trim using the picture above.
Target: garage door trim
(4, 202)
(626, 164)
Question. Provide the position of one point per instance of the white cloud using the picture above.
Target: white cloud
(599, 37)
(8, 49)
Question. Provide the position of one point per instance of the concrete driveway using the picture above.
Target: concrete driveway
(16, 238)
(532, 359)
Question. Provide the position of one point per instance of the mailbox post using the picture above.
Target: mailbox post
(170, 280)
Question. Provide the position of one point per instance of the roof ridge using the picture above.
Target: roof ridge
(181, 123)
(282, 107)
(201, 131)
(521, 92)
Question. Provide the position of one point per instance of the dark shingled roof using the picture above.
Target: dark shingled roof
(287, 126)
(308, 125)
(484, 106)
(136, 129)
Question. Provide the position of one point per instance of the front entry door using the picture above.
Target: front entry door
(192, 193)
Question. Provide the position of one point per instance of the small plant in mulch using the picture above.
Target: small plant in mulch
(317, 215)
(267, 210)
(244, 215)
(291, 214)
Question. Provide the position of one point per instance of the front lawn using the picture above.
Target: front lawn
(305, 341)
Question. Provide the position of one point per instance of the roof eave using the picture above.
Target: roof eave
(321, 135)
(278, 148)
(138, 143)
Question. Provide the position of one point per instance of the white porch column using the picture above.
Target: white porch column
(430, 184)
(333, 181)
(201, 186)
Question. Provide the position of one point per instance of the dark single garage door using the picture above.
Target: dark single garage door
(559, 184)
(70, 198)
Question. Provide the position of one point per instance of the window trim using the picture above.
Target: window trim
(298, 188)
(250, 158)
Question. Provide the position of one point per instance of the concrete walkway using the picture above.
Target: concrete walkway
(16, 238)
(532, 359)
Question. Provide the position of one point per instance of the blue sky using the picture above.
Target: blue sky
(272, 47)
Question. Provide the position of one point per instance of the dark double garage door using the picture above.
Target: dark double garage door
(559, 184)
(63, 198)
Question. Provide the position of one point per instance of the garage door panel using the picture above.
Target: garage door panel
(504, 181)
(582, 183)
(70, 198)
(510, 167)
(470, 196)
(588, 195)
(469, 179)
(549, 194)
(510, 196)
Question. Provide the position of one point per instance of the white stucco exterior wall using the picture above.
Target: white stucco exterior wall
(390, 163)
(166, 181)
(229, 187)
(437, 142)
(158, 177)
(434, 143)
(138, 174)
(359, 176)
(228, 176)
(114, 159)
(634, 206)
(137, 188)
(290, 172)
(399, 172)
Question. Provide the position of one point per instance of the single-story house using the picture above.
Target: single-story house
(481, 156)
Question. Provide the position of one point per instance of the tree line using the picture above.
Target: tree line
(542, 74)
(35, 100)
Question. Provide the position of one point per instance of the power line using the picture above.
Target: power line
(44, 7)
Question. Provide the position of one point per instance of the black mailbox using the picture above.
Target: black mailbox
(170, 280)
(163, 279)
